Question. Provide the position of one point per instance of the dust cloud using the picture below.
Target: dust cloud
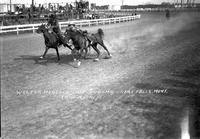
(149, 33)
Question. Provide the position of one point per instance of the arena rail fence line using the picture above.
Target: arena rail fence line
(62, 25)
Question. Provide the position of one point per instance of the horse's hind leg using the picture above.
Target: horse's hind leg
(43, 56)
(57, 53)
(97, 50)
(103, 45)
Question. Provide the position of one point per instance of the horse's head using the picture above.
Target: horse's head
(41, 29)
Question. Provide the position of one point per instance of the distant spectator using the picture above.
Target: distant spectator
(134, 14)
(167, 13)
(29, 17)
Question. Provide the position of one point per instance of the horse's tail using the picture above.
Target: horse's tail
(101, 33)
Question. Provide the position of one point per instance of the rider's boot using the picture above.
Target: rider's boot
(62, 40)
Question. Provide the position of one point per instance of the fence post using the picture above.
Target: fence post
(33, 29)
(60, 26)
(17, 30)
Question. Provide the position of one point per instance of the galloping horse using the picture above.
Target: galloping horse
(82, 41)
(95, 39)
(79, 41)
(51, 40)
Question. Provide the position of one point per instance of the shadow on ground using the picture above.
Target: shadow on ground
(50, 58)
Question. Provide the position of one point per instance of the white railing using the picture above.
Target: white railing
(80, 23)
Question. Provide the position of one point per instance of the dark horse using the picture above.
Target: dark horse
(95, 39)
(51, 40)
(82, 41)
(79, 41)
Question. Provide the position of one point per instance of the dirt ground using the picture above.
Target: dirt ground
(140, 93)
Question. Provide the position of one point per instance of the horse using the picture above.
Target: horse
(95, 39)
(83, 40)
(79, 41)
(51, 40)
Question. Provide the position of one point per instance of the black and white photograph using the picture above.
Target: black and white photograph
(100, 69)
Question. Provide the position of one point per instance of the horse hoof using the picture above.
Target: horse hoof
(79, 63)
(74, 59)
(41, 57)
(96, 60)
(108, 57)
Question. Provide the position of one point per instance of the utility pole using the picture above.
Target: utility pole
(31, 11)
(188, 3)
(122, 2)
(32, 6)
(193, 3)
(181, 3)
(10, 5)
(178, 3)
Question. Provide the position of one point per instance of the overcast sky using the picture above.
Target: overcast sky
(98, 2)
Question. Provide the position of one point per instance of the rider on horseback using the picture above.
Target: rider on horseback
(73, 27)
(54, 28)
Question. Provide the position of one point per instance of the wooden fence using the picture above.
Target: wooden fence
(62, 25)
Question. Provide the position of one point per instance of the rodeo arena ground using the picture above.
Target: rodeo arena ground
(148, 88)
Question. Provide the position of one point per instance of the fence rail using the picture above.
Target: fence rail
(62, 25)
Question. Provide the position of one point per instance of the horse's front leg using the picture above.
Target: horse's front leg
(46, 49)
(57, 53)
(75, 57)
(86, 51)
(73, 52)
(83, 54)
(87, 46)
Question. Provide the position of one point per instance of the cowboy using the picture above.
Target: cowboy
(53, 24)
(54, 28)
(73, 27)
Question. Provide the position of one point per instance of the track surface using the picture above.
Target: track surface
(112, 98)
